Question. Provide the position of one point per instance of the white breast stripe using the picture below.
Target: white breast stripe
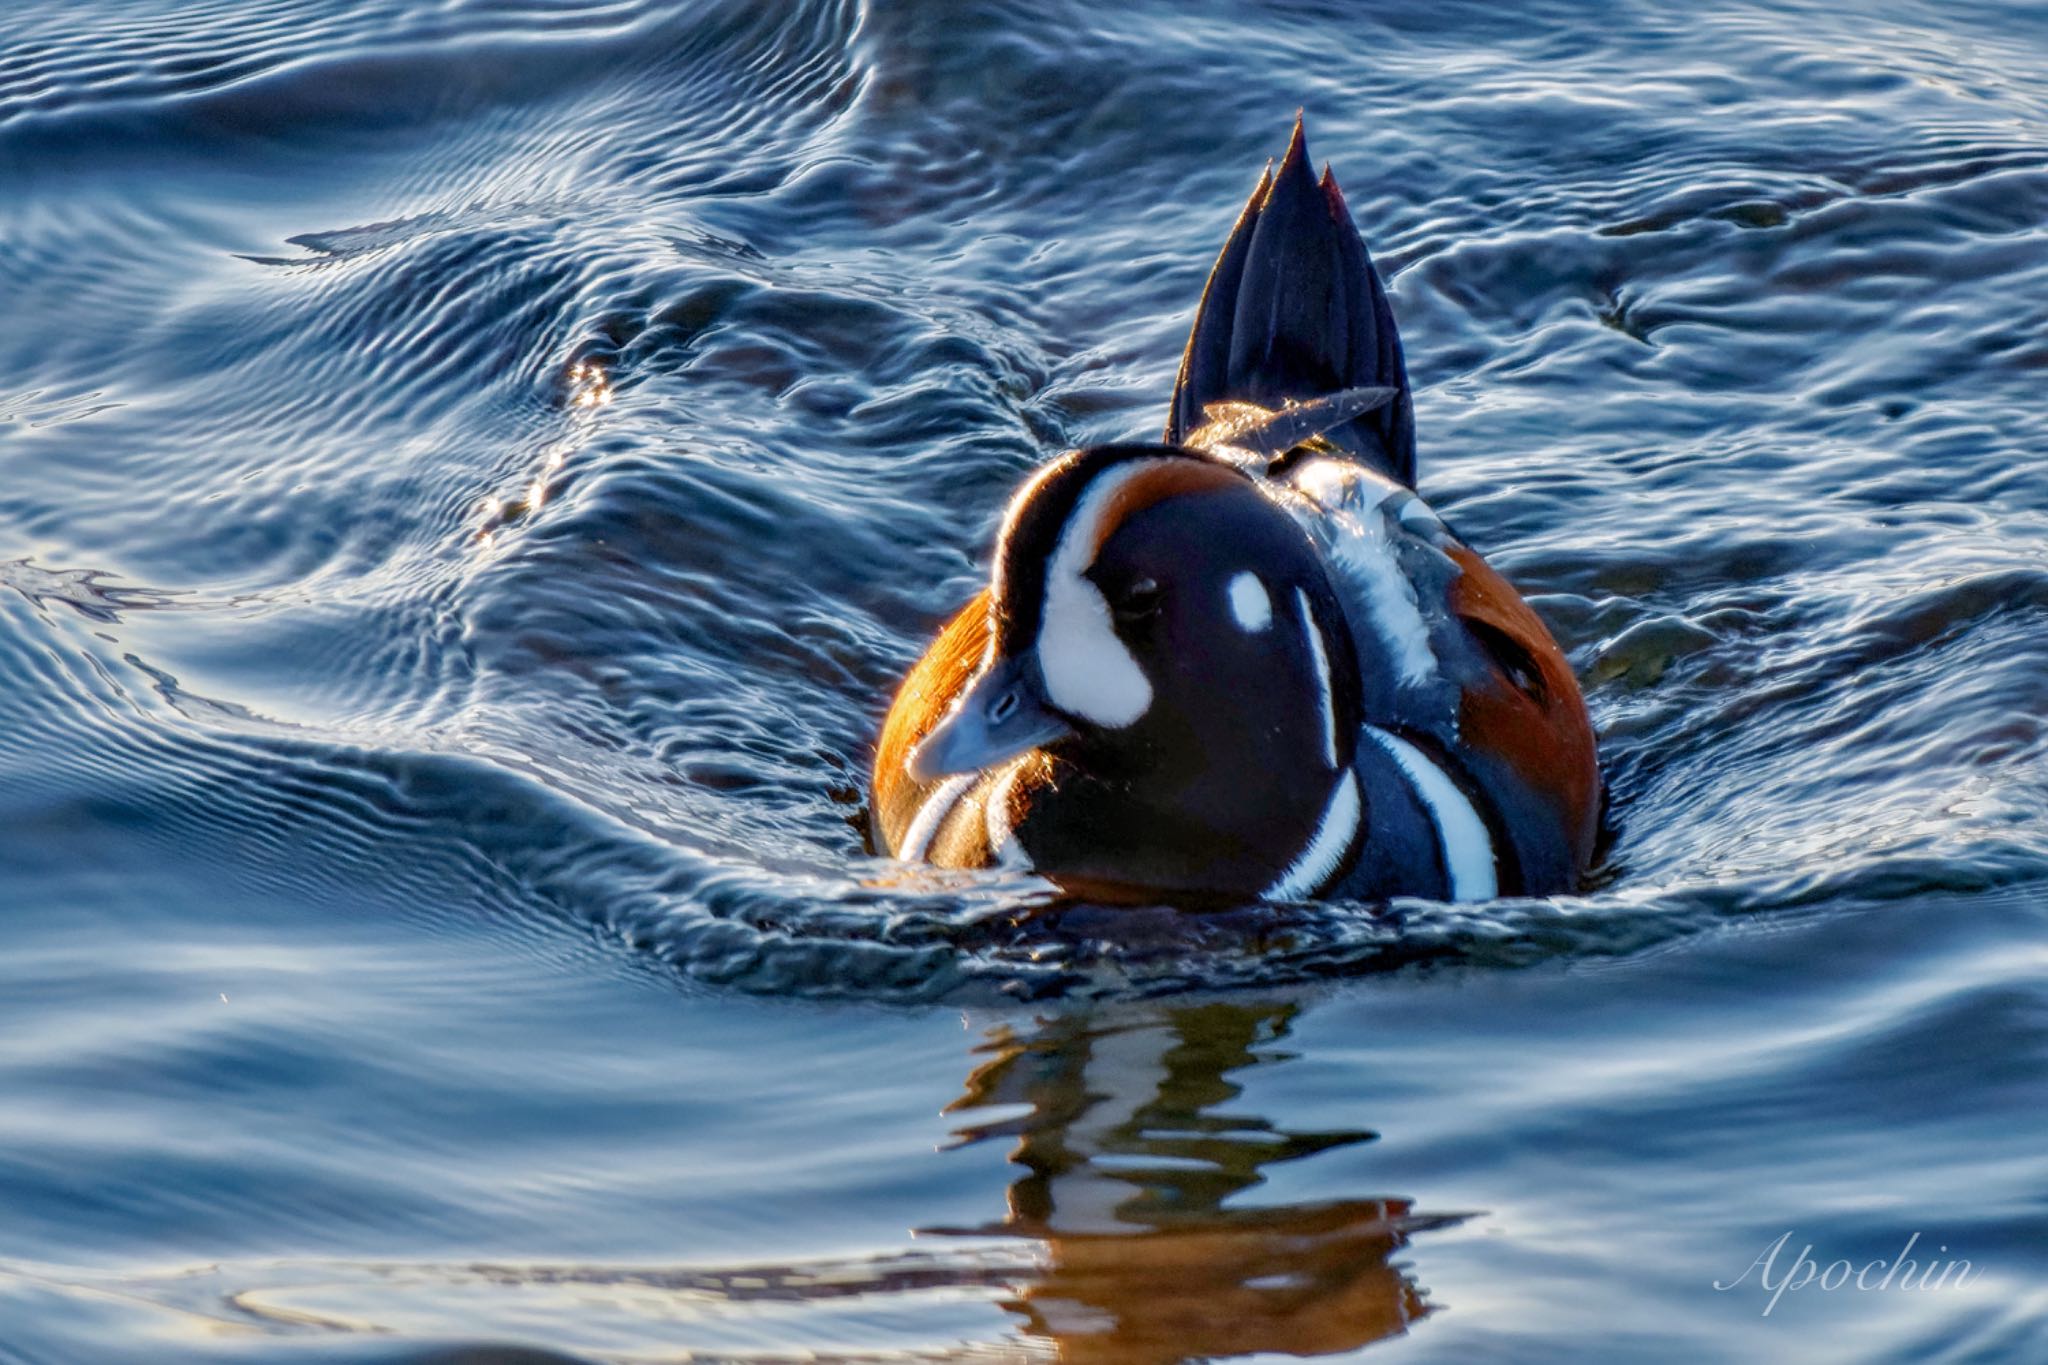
(1466, 842)
(996, 820)
(925, 824)
(1325, 699)
(1326, 850)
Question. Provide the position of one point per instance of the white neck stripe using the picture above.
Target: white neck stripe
(1319, 861)
(1466, 842)
(1326, 700)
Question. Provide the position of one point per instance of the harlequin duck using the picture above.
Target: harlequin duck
(1249, 662)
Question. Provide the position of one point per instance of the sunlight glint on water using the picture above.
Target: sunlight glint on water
(470, 475)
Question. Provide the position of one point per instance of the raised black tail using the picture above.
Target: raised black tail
(1294, 311)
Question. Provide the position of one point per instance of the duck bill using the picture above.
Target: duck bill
(1000, 716)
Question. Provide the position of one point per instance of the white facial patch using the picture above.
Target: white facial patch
(1251, 606)
(1088, 672)
(1326, 700)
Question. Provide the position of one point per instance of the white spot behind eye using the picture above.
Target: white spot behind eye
(1250, 603)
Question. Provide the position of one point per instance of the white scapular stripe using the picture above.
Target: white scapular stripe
(924, 826)
(1466, 842)
(1358, 520)
(1251, 606)
(1332, 837)
(1326, 700)
(1088, 672)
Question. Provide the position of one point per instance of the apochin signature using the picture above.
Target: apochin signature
(1897, 1273)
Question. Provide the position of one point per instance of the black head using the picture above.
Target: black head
(1166, 629)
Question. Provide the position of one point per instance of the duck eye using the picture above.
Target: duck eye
(1137, 600)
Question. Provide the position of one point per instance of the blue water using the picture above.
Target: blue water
(471, 472)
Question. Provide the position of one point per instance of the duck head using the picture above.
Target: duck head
(1165, 634)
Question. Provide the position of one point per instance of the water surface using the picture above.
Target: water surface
(471, 472)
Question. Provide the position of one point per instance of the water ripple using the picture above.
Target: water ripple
(479, 468)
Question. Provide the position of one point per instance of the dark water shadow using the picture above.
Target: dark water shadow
(1135, 1161)
(1131, 1232)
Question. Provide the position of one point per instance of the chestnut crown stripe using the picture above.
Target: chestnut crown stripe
(1038, 518)
(1155, 485)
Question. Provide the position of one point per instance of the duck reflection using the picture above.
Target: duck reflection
(1130, 1155)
